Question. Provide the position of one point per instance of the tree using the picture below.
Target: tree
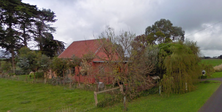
(59, 66)
(73, 62)
(45, 63)
(179, 63)
(51, 47)
(43, 28)
(163, 31)
(29, 60)
(9, 19)
(26, 19)
(220, 57)
(5, 67)
(135, 71)
(21, 22)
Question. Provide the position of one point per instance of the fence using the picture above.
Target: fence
(95, 93)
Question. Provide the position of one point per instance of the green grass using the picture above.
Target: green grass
(19, 96)
(216, 75)
(189, 102)
(213, 62)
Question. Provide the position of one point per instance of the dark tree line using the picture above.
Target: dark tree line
(21, 22)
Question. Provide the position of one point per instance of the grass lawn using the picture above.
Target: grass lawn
(189, 102)
(213, 62)
(216, 75)
(19, 96)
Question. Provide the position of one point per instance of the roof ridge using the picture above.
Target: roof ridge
(85, 40)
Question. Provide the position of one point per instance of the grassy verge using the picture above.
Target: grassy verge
(189, 102)
(19, 96)
(216, 75)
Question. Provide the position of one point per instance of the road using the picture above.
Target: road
(214, 103)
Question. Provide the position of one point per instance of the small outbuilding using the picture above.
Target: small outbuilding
(92, 47)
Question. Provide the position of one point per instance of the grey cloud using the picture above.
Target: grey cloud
(86, 19)
(190, 14)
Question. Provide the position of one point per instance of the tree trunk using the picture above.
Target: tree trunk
(24, 36)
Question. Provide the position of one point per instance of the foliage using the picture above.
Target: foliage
(22, 22)
(50, 46)
(208, 68)
(84, 100)
(44, 63)
(85, 67)
(59, 66)
(75, 61)
(9, 38)
(72, 63)
(21, 72)
(173, 103)
(129, 66)
(28, 60)
(179, 62)
(5, 66)
(163, 31)
(46, 42)
(88, 57)
(39, 74)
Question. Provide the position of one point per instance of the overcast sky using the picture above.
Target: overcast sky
(86, 19)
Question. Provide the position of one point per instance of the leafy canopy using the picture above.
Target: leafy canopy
(163, 31)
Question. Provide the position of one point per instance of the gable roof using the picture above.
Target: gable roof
(79, 48)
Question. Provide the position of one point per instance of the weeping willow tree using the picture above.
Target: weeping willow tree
(179, 62)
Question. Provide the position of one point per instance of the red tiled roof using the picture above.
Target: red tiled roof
(79, 48)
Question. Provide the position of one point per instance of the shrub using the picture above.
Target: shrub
(39, 74)
(203, 77)
(21, 72)
(208, 68)
(5, 66)
(153, 90)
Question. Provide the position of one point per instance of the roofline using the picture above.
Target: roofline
(85, 40)
(79, 41)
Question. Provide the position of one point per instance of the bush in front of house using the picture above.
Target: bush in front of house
(39, 74)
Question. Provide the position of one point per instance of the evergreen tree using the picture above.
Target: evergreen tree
(163, 31)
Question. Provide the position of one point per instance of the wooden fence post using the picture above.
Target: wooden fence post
(95, 97)
(95, 93)
(121, 88)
